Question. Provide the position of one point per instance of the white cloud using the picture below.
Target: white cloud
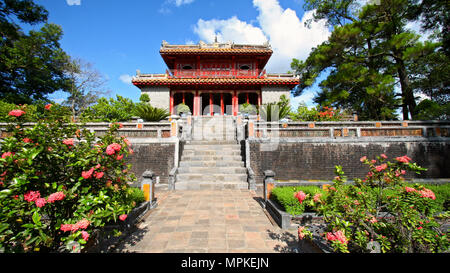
(232, 29)
(165, 9)
(284, 30)
(288, 35)
(73, 2)
(125, 78)
(182, 2)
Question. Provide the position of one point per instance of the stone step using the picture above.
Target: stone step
(216, 178)
(220, 163)
(211, 158)
(199, 185)
(212, 170)
(233, 147)
(211, 152)
(214, 142)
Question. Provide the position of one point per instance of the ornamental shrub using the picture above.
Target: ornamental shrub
(58, 183)
(382, 209)
(112, 110)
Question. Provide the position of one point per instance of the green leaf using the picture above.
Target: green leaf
(36, 218)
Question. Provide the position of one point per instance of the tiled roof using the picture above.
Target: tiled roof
(140, 81)
(215, 48)
(215, 51)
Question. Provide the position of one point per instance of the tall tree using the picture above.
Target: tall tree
(87, 86)
(371, 52)
(31, 65)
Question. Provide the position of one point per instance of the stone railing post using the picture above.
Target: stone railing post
(148, 187)
(172, 178)
(269, 183)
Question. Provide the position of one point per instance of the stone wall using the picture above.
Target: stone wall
(156, 156)
(299, 159)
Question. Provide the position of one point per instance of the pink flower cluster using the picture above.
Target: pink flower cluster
(425, 193)
(6, 154)
(68, 142)
(82, 224)
(300, 196)
(16, 112)
(35, 196)
(90, 173)
(301, 235)
(337, 236)
(123, 217)
(403, 159)
(57, 196)
(113, 148)
(381, 167)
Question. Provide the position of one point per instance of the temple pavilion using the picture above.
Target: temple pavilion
(214, 79)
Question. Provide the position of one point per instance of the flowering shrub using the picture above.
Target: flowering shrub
(382, 208)
(58, 183)
(319, 113)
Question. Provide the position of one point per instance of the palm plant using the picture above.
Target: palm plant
(150, 113)
(274, 111)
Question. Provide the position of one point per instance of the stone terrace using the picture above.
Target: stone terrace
(209, 221)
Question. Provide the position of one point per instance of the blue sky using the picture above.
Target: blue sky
(118, 36)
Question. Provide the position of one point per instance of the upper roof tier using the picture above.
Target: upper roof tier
(170, 53)
(228, 48)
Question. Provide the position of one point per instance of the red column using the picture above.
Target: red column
(210, 104)
(171, 102)
(259, 99)
(235, 102)
(196, 109)
(222, 107)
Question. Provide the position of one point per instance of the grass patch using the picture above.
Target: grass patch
(285, 197)
(136, 195)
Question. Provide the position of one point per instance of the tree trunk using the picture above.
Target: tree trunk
(409, 103)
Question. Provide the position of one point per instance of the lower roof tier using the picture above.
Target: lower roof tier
(149, 81)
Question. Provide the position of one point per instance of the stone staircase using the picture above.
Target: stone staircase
(212, 160)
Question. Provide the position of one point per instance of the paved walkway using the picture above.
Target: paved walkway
(224, 221)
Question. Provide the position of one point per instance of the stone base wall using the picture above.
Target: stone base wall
(158, 157)
(316, 159)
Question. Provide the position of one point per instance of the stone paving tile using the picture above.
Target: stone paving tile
(220, 221)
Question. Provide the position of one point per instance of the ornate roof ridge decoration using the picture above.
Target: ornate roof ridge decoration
(228, 47)
(149, 81)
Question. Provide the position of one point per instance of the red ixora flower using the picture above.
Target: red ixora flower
(112, 148)
(40, 202)
(123, 217)
(6, 154)
(16, 112)
(403, 159)
(85, 235)
(66, 227)
(381, 167)
(337, 236)
(57, 196)
(99, 175)
(68, 141)
(427, 193)
(300, 196)
(82, 224)
(87, 174)
(48, 106)
(31, 196)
